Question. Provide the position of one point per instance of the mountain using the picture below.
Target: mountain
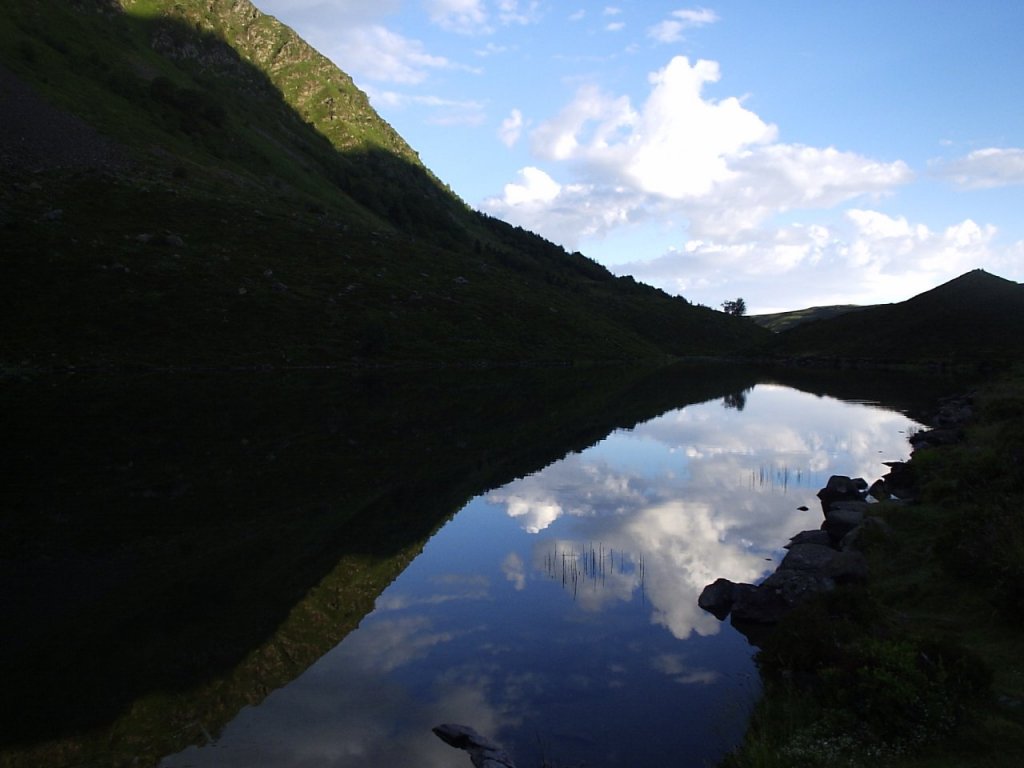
(977, 317)
(782, 321)
(187, 182)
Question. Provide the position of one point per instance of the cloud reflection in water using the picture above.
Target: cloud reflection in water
(561, 610)
(704, 492)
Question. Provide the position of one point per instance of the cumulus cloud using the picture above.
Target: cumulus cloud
(566, 213)
(535, 187)
(716, 172)
(671, 29)
(680, 155)
(985, 168)
(892, 257)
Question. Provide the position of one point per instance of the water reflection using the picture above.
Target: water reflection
(558, 613)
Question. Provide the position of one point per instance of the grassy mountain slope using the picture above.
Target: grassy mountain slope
(190, 183)
(974, 318)
(783, 321)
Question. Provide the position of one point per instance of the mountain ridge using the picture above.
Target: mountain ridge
(187, 183)
(976, 317)
(265, 215)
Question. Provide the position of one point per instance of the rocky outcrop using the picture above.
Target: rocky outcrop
(817, 562)
(820, 560)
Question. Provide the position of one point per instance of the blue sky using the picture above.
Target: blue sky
(791, 153)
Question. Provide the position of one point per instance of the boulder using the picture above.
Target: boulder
(718, 597)
(872, 529)
(842, 488)
(879, 490)
(900, 480)
(808, 557)
(842, 517)
(849, 567)
(777, 595)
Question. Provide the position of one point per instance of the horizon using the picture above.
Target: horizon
(816, 157)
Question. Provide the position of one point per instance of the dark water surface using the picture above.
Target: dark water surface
(315, 569)
(558, 613)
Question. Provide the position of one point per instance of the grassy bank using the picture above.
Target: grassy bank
(923, 667)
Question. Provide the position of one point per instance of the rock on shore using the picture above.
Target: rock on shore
(817, 561)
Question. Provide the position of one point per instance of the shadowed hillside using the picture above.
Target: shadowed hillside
(189, 183)
(976, 318)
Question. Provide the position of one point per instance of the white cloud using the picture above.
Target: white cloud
(354, 12)
(514, 12)
(985, 168)
(865, 257)
(671, 30)
(536, 187)
(678, 145)
(515, 570)
(715, 165)
(566, 213)
(491, 49)
(376, 53)
(615, 26)
(442, 111)
(714, 156)
(683, 142)
(466, 17)
(511, 128)
(765, 181)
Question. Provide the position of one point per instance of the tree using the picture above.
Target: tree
(736, 307)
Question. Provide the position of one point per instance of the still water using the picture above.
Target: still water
(557, 614)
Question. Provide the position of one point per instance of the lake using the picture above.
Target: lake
(556, 613)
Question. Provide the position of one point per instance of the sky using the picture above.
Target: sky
(792, 153)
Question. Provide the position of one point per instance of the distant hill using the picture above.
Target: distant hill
(976, 317)
(187, 182)
(783, 321)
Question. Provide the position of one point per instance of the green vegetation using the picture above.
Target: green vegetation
(783, 321)
(189, 184)
(735, 307)
(923, 667)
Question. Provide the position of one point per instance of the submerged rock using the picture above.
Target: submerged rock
(483, 752)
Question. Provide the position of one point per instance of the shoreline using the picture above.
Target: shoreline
(909, 658)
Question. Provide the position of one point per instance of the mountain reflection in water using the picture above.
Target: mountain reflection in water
(558, 613)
